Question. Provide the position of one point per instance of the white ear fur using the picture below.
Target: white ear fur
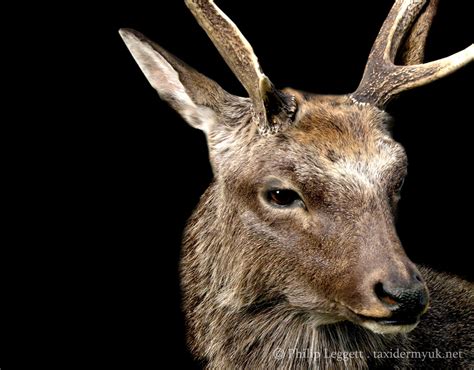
(165, 80)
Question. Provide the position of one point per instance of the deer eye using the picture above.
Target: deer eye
(283, 197)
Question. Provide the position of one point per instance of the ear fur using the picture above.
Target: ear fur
(191, 94)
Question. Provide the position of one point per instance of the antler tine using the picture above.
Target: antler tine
(408, 77)
(240, 57)
(382, 79)
(413, 51)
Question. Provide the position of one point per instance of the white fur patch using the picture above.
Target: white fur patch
(388, 329)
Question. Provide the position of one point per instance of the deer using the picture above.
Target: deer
(291, 259)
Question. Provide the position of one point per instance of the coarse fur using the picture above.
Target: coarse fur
(318, 280)
(245, 284)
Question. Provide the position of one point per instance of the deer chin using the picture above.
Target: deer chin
(387, 328)
(383, 325)
(387, 325)
(376, 325)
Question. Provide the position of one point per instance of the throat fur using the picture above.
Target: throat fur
(282, 338)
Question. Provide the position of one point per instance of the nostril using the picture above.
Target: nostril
(406, 304)
(418, 278)
(385, 296)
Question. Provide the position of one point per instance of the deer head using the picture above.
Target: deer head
(306, 186)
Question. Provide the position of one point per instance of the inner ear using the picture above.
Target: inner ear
(189, 92)
(280, 106)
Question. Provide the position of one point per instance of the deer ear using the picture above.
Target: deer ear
(190, 93)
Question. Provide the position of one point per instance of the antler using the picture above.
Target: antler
(273, 108)
(382, 79)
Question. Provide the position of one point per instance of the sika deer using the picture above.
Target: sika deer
(291, 259)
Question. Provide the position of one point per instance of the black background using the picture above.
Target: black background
(126, 171)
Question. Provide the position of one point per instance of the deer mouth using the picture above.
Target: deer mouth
(388, 325)
(393, 324)
(413, 320)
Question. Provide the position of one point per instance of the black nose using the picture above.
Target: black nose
(406, 303)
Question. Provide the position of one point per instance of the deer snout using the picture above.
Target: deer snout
(406, 300)
(396, 298)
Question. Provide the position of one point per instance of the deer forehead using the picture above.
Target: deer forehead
(366, 171)
(347, 147)
(357, 167)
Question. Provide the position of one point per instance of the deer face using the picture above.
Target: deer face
(320, 199)
(307, 186)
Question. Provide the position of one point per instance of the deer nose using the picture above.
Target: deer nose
(405, 302)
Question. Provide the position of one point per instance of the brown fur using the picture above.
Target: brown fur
(255, 281)
(267, 286)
